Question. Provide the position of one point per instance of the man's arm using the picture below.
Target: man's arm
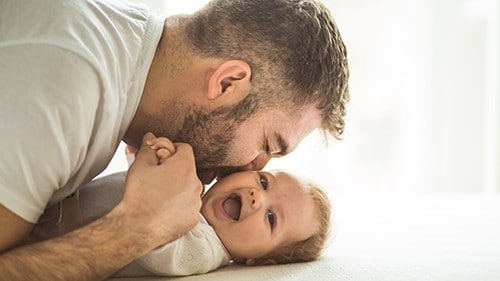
(161, 202)
(90, 253)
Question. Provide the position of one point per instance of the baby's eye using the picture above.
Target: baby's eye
(270, 218)
(263, 182)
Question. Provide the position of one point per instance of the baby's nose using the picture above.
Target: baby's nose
(255, 198)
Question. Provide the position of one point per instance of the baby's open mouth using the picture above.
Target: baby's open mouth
(232, 206)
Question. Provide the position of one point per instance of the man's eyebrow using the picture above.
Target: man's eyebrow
(283, 145)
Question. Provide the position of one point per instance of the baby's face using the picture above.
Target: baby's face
(255, 212)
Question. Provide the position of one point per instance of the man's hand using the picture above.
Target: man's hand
(164, 148)
(162, 190)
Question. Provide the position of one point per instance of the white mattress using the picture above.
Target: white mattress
(395, 237)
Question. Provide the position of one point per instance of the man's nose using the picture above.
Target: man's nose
(258, 163)
(256, 198)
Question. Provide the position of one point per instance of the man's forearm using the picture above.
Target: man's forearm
(91, 253)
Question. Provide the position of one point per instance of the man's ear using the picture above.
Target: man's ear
(231, 77)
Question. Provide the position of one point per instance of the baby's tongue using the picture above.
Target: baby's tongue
(232, 206)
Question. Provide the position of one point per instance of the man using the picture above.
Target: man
(240, 81)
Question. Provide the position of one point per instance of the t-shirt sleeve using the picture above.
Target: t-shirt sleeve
(48, 101)
(198, 251)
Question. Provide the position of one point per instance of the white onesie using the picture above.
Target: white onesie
(196, 252)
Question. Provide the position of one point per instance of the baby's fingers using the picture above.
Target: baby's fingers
(163, 154)
(163, 142)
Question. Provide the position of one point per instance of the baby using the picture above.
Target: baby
(249, 217)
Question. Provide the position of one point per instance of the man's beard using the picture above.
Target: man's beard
(211, 134)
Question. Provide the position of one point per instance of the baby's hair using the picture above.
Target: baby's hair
(311, 248)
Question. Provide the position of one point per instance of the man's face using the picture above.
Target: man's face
(222, 144)
(254, 213)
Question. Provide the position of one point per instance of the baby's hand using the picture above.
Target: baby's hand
(164, 148)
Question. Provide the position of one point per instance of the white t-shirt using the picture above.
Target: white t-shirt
(196, 252)
(71, 77)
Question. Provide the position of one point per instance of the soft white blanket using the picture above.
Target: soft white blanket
(395, 237)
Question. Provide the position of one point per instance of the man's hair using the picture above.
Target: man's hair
(294, 48)
(310, 248)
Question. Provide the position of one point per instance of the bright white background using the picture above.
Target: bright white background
(425, 100)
